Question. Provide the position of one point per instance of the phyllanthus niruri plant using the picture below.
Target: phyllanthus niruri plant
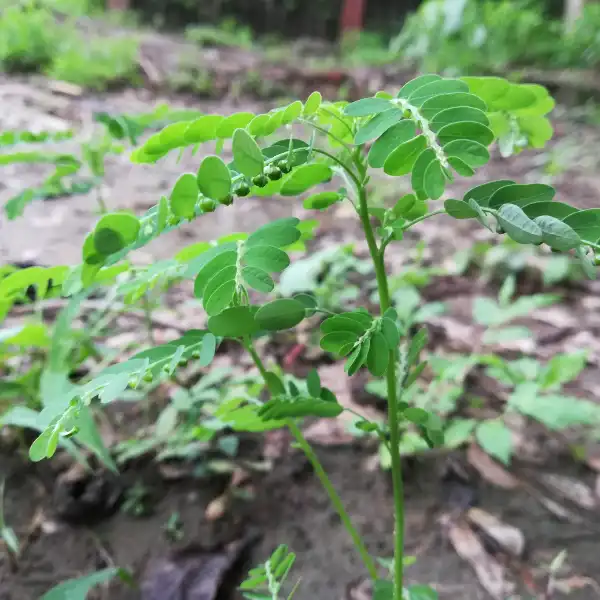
(433, 130)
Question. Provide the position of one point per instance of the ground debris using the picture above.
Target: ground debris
(491, 470)
(489, 571)
(192, 573)
(508, 537)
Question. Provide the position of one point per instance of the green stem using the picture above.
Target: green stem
(408, 225)
(392, 396)
(320, 473)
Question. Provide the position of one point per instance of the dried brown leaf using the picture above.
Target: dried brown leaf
(570, 488)
(510, 538)
(491, 470)
(191, 574)
(571, 584)
(217, 508)
(489, 571)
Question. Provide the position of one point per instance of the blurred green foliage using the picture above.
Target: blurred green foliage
(47, 37)
(482, 36)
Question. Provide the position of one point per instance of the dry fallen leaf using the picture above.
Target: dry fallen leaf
(217, 508)
(510, 538)
(491, 470)
(570, 584)
(191, 574)
(555, 508)
(570, 488)
(488, 570)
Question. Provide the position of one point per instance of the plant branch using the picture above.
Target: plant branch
(320, 473)
(325, 132)
(408, 225)
(392, 397)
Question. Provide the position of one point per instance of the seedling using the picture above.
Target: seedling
(434, 129)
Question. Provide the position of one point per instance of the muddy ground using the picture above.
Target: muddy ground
(288, 505)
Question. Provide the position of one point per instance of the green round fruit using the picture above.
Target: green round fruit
(274, 173)
(242, 190)
(260, 180)
(172, 220)
(227, 201)
(208, 205)
(500, 230)
(148, 377)
(284, 166)
(182, 362)
(196, 354)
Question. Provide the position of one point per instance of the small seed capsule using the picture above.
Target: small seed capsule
(242, 190)
(227, 201)
(208, 205)
(284, 166)
(260, 180)
(274, 173)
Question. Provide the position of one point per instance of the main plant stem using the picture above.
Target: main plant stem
(392, 397)
(320, 473)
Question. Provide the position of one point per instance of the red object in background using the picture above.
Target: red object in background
(118, 4)
(352, 17)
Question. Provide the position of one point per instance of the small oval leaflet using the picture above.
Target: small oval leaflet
(267, 257)
(383, 146)
(379, 355)
(322, 200)
(339, 342)
(367, 106)
(280, 314)
(114, 231)
(247, 155)
(586, 223)
(418, 82)
(234, 322)
(434, 180)
(305, 177)
(312, 104)
(556, 234)
(378, 125)
(402, 159)
(521, 194)
(184, 196)
(214, 178)
(460, 166)
(468, 130)
(416, 415)
(459, 209)
(229, 124)
(558, 210)
(470, 152)
(202, 129)
(518, 225)
(418, 172)
(258, 279)
(482, 193)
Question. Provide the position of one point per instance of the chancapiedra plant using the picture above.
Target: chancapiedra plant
(433, 130)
